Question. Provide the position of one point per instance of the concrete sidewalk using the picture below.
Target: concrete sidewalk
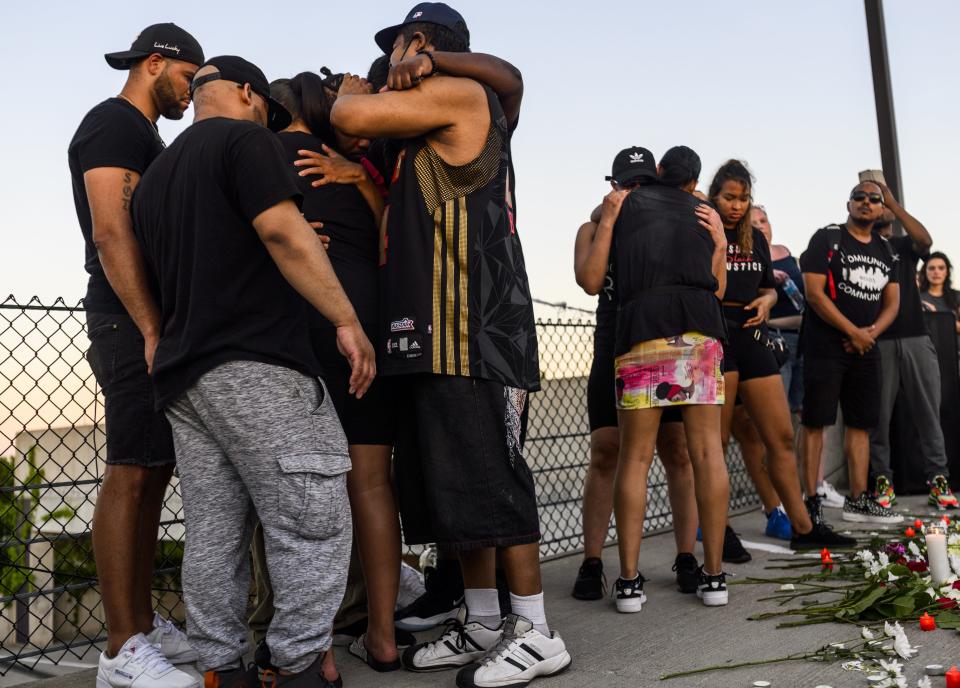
(674, 632)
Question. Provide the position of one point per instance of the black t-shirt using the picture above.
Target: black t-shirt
(222, 297)
(665, 282)
(909, 322)
(747, 272)
(856, 278)
(348, 221)
(112, 134)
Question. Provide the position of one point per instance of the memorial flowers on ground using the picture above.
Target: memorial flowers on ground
(881, 588)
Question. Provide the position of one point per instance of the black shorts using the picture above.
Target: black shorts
(852, 380)
(601, 392)
(137, 434)
(602, 396)
(372, 419)
(743, 352)
(462, 481)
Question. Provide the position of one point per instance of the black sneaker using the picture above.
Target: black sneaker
(629, 594)
(822, 535)
(685, 566)
(733, 551)
(439, 603)
(591, 584)
(865, 509)
(712, 589)
(814, 505)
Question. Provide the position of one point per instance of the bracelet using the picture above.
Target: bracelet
(433, 63)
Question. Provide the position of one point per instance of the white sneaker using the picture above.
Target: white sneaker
(461, 644)
(712, 589)
(172, 641)
(522, 655)
(629, 594)
(140, 664)
(829, 495)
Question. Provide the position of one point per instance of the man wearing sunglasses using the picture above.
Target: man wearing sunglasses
(910, 367)
(852, 288)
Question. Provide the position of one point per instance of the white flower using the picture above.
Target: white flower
(952, 594)
(853, 665)
(955, 563)
(866, 633)
(914, 550)
(883, 559)
(892, 630)
(890, 577)
(865, 556)
(932, 593)
(892, 667)
(924, 682)
(786, 587)
(953, 539)
(893, 682)
(873, 568)
(903, 647)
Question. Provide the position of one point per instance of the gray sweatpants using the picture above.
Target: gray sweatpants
(261, 440)
(910, 364)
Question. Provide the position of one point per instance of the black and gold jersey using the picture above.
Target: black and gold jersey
(454, 293)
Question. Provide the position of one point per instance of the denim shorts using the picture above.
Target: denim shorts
(137, 434)
(462, 480)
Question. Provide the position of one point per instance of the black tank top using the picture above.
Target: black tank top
(454, 293)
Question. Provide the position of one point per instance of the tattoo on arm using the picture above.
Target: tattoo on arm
(127, 191)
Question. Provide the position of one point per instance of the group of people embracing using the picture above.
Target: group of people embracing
(315, 303)
(685, 356)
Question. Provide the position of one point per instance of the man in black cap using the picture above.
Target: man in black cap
(111, 149)
(457, 323)
(255, 430)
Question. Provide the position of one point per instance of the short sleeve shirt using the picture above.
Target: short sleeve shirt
(113, 134)
(747, 272)
(909, 322)
(222, 297)
(856, 274)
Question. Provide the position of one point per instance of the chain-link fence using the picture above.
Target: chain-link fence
(52, 444)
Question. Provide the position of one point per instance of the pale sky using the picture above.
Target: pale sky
(785, 86)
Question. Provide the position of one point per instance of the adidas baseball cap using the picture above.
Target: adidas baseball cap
(632, 164)
(427, 13)
(167, 39)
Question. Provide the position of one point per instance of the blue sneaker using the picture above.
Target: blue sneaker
(778, 525)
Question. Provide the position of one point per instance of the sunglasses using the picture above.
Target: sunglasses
(874, 198)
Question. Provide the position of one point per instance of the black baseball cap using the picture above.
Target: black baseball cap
(428, 13)
(240, 71)
(632, 164)
(167, 39)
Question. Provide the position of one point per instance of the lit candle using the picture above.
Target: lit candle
(936, 537)
(927, 623)
(953, 678)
